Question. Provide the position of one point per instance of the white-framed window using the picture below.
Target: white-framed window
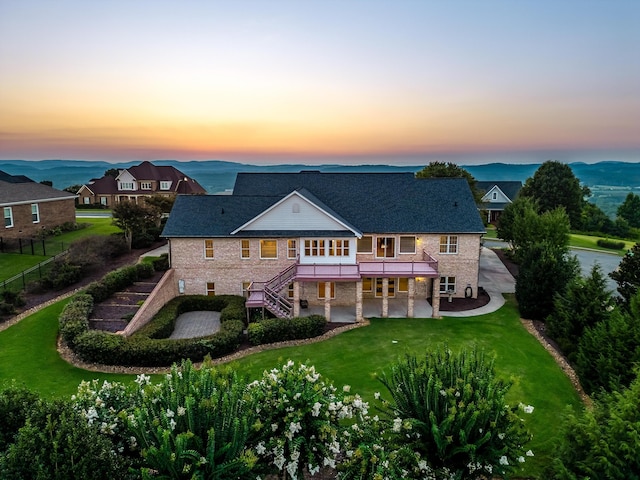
(8, 217)
(145, 185)
(165, 185)
(211, 289)
(495, 195)
(365, 244)
(338, 248)
(407, 244)
(449, 244)
(208, 248)
(35, 213)
(447, 284)
(245, 249)
(268, 249)
(385, 247)
(86, 200)
(403, 284)
(321, 289)
(292, 248)
(314, 248)
(104, 201)
(126, 185)
(367, 284)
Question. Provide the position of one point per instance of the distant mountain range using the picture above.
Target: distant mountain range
(217, 176)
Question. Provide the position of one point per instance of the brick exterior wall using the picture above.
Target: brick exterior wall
(52, 214)
(227, 270)
(165, 290)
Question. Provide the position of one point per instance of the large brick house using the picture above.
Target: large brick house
(497, 195)
(29, 208)
(291, 240)
(137, 182)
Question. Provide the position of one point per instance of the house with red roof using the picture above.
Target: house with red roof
(135, 183)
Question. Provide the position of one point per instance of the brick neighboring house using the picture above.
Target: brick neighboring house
(335, 239)
(29, 207)
(137, 182)
(497, 196)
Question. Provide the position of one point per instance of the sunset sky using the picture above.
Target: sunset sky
(353, 81)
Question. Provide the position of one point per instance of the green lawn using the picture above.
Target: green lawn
(28, 354)
(588, 241)
(13, 263)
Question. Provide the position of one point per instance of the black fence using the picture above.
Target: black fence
(33, 246)
(21, 280)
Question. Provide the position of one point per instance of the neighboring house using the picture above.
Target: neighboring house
(138, 182)
(29, 207)
(288, 240)
(498, 195)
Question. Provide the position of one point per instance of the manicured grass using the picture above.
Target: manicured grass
(13, 263)
(588, 241)
(354, 357)
(29, 356)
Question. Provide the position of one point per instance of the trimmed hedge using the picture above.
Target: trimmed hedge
(612, 244)
(74, 319)
(277, 329)
(150, 346)
(118, 280)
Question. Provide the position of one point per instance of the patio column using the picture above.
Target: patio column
(327, 301)
(435, 298)
(359, 317)
(385, 297)
(296, 299)
(412, 296)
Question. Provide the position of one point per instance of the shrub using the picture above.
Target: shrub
(61, 275)
(144, 270)
(15, 405)
(74, 319)
(161, 264)
(612, 244)
(277, 329)
(13, 298)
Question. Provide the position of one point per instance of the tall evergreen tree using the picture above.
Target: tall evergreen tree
(630, 210)
(554, 185)
(627, 275)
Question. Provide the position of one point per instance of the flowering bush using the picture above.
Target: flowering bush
(194, 424)
(298, 420)
(447, 419)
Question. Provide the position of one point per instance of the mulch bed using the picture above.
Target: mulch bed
(462, 304)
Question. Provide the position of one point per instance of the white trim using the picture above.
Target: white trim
(37, 213)
(4, 217)
(268, 240)
(302, 197)
(43, 200)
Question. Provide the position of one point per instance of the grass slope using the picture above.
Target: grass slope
(28, 355)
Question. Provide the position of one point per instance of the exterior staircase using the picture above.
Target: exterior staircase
(271, 294)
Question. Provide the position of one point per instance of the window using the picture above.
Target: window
(447, 284)
(403, 284)
(245, 289)
(290, 290)
(449, 244)
(103, 201)
(245, 251)
(8, 217)
(365, 244)
(339, 248)
(208, 249)
(292, 248)
(145, 185)
(407, 244)
(391, 290)
(35, 213)
(211, 289)
(385, 247)
(268, 249)
(314, 248)
(495, 195)
(126, 185)
(321, 291)
(165, 185)
(86, 200)
(367, 284)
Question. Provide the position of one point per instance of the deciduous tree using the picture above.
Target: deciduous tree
(136, 221)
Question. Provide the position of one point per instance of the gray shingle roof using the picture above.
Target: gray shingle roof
(17, 189)
(371, 202)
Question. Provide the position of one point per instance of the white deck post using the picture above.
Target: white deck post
(385, 297)
(327, 301)
(412, 295)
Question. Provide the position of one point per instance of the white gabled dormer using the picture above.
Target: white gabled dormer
(126, 181)
(495, 195)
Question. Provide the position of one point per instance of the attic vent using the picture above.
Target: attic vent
(295, 208)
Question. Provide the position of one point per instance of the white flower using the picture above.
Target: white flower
(170, 413)
(295, 427)
(315, 410)
(503, 460)
(443, 393)
(501, 436)
(143, 379)
(313, 470)
(274, 427)
(521, 459)
(529, 453)
(172, 424)
(376, 395)
(526, 408)
(397, 424)
(346, 388)
(181, 411)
